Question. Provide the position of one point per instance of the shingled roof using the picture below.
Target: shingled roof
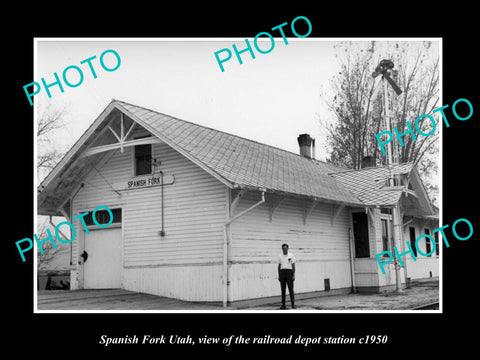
(235, 161)
(241, 162)
(371, 186)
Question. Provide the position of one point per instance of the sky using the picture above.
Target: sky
(270, 99)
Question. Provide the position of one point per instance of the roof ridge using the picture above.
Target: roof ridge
(224, 132)
(371, 168)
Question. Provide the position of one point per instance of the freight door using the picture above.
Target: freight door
(103, 267)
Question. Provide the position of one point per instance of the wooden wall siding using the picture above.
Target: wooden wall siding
(421, 268)
(389, 278)
(321, 250)
(190, 283)
(194, 217)
(195, 210)
(255, 239)
(256, 280)
(96, 192)
(366, 272)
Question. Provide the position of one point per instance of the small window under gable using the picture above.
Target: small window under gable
(143, 159)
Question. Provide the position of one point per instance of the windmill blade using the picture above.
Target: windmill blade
(392, 83)
(377, 88)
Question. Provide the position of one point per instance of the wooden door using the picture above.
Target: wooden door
(103, 268)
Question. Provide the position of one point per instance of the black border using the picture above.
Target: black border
(62, 334)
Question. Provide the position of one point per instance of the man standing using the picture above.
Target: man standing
(286, 274)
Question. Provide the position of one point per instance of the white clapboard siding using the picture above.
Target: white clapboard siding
(321, 250)
(424, 266)
(194, 210)
(254, 238)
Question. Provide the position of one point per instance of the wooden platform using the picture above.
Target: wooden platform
(112, 299)
(418, 295)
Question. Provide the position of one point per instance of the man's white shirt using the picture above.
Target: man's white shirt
(286, 261)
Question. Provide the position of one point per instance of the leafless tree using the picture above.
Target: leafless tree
(48, 155)
(49, 120)
(358, 113)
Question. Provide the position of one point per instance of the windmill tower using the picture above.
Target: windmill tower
(385, 68)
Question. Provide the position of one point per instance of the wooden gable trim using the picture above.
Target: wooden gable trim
(114, 133)
(410, 192)
(120, 145)
(77, 146)
(420, 192)
(174, 146)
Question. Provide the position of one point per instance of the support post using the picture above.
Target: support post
(121, 133)
(352, 263)
(227, 239)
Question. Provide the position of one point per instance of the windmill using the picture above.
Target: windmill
(385, 69)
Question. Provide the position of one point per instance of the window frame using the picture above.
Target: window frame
(385, 220)
(355, 244)
(134, 158)
(94, 226)
(414, 248)
(428, 245)
(386, 215)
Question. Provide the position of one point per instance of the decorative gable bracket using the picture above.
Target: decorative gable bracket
(122, 140)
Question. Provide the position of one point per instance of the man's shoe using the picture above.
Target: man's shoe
(282, 307)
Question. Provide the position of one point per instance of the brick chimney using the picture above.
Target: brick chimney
(307, 146)
(368, 161)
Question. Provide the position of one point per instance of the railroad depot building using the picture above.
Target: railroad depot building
(200, 215)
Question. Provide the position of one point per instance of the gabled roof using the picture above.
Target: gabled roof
(237, 162)
(370, 185)
(243, 163)
(233, 160)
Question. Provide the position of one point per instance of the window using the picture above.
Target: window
(428, 245)
(437, 249)
(103, 217)
(385, 234)
(360, 234)
(143, 159)
(412, 240)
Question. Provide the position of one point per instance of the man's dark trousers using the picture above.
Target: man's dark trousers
(286, 278)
